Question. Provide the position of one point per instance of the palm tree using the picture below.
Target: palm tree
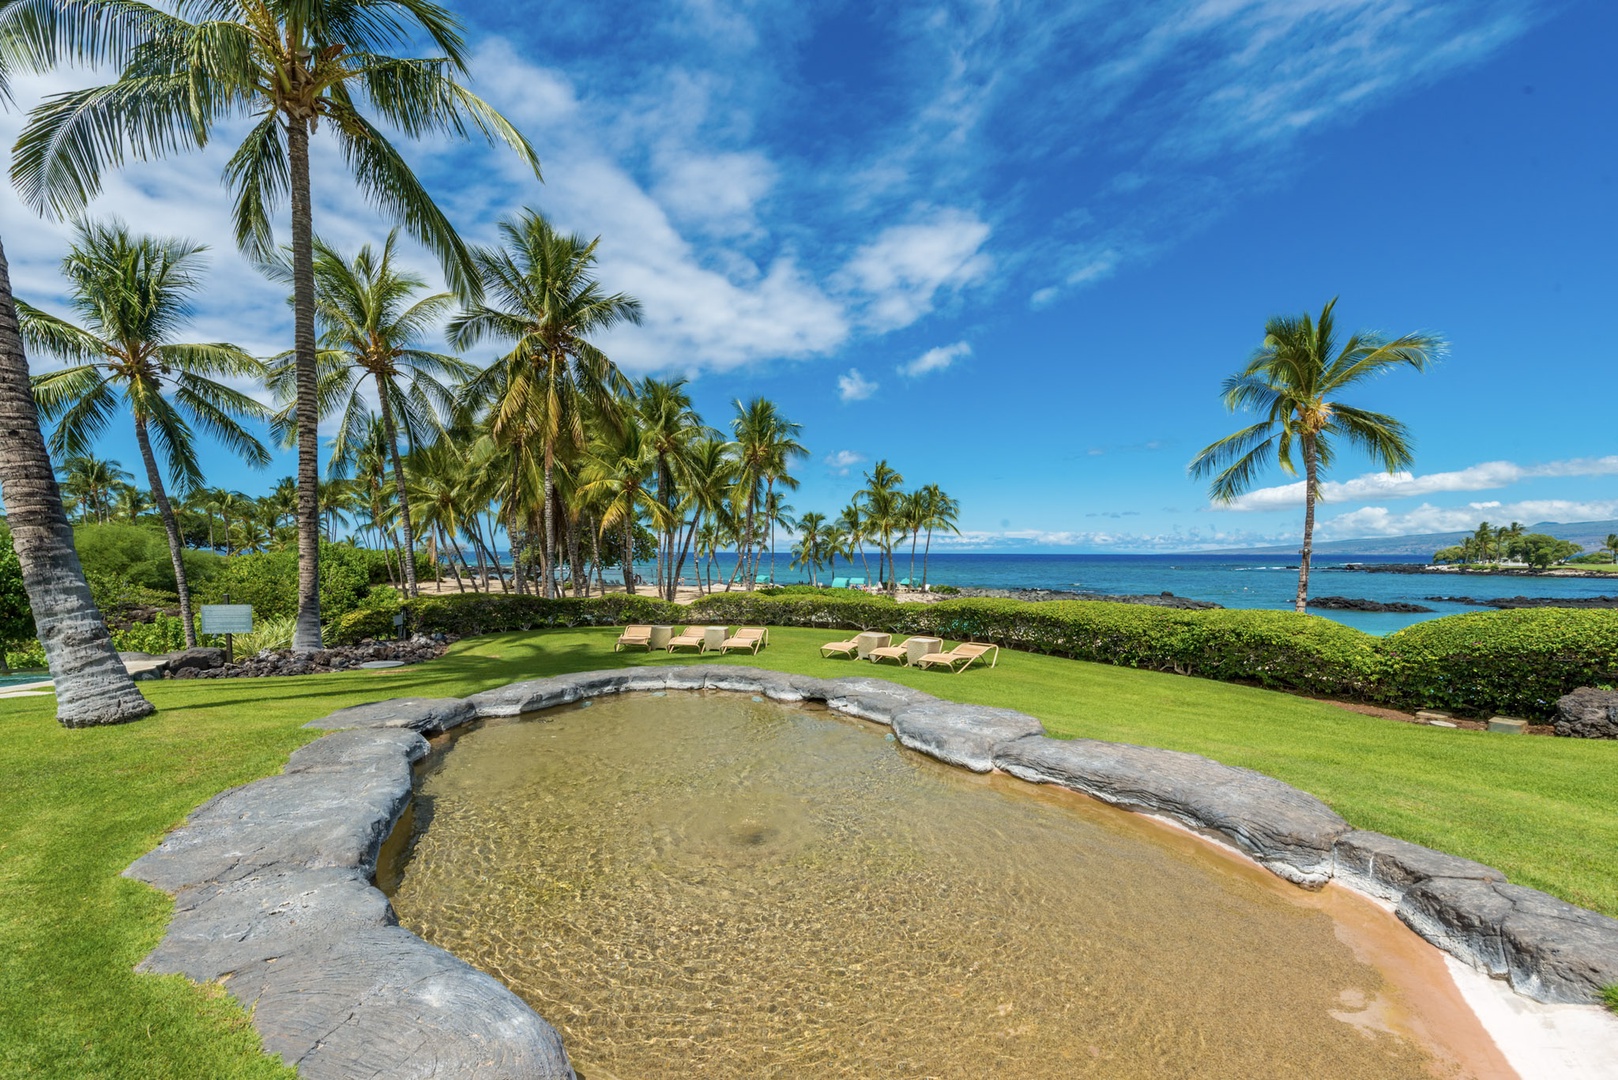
(815, 543)
(1293, 379)
(232, 506)
(615, 470)
(91, 483)
(881, 511)
(92, 686)
(546, 301)
(132, 502)
(1484, 538)
(940, 512)
(851, 523)
(1611, 544)
(287, 64)
(371, 332)
(766, 443)
(665, 410)
(706, 474)
(132, 295)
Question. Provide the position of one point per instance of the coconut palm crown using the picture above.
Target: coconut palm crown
(1293, 381)
(132, 296)
(372, 327)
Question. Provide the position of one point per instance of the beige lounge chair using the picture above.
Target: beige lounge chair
(635, 635)
(839, 648)
(692, 635)
(751, 638)
(897, 652)
(962, 654)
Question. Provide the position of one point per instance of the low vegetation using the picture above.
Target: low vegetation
(1512, 662)
(76, 807)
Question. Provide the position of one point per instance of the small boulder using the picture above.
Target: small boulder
(1588, 713)
(195, 659)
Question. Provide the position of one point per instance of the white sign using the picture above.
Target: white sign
(227, 618)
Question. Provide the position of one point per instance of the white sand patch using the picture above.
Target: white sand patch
(1542, 1042)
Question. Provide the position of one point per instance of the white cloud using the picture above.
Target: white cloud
(842, 462)
(1176, 540)
(854, 386)
(899, 275)
(1379, 521)
(938, 359)
(1405, 485)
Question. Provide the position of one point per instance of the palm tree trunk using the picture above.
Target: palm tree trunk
(549, 559)
(925, 552)
(575, 559)
(170, 526)
(1311, 471)
(407, 555)
(92, 686)
(629, 554)
(913, 538)
(306, 632)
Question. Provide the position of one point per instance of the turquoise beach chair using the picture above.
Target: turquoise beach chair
(839, 583)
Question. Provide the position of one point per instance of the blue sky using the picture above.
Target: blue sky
(1014, 248)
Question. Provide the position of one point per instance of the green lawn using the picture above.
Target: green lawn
(76, 807)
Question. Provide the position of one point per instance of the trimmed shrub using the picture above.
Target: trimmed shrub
(1514, 662)
(354, 627)
(268, 580)
(163, 634)
(485, 613)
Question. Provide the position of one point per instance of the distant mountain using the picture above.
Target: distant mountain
(1591, 534)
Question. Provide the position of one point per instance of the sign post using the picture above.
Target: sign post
(227, 619)
(398, 624)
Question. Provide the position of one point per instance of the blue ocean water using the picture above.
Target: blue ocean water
(1234, 581)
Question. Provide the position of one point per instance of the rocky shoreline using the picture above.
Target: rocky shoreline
(1508, 602)
(1165, 599)
(1349, 603)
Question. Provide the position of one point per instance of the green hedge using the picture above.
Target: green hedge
(1516, 662)
(1513, 662)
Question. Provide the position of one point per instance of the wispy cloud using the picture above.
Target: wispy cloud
(854, 387)
(1104, 540)
(939, 359)
(1404, 485)
(842, 462)
(898, 276)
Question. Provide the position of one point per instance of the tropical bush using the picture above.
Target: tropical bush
(17, 643)
(484, 613)
(163, 634)
(1514, 662)
(139, 554)
(268, 580)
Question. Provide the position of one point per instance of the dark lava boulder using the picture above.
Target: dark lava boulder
(1587, 713)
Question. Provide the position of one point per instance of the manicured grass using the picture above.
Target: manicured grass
(76, 807)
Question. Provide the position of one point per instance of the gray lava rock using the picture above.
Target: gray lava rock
(1549, 949)
(1387, 867)
(333, 811)
(195, 660)
(1289, 832)
(1587, 713)
(384, 1003)
(964, 735)
(430, 715)
(219, 928)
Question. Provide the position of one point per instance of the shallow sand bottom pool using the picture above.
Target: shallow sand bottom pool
(710, 885)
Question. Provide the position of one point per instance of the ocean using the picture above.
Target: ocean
(1233, 581)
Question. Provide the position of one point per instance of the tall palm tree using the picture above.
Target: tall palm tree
(1611, 544)
(706, 475)
(544, 298)
(286, 64)
(91, 482)
(132, 502)
(616, 469)
(92, 686)
(815, 543)
(672, 424)
(939, 512)
(766, 444)
(132, 295)
(851, 523)
(371, 330)
(1293, 379)
(881, 510)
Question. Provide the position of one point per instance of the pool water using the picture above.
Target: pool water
(15, 679)
(708, 885)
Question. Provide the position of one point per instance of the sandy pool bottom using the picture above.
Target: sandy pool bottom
(706, 884)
